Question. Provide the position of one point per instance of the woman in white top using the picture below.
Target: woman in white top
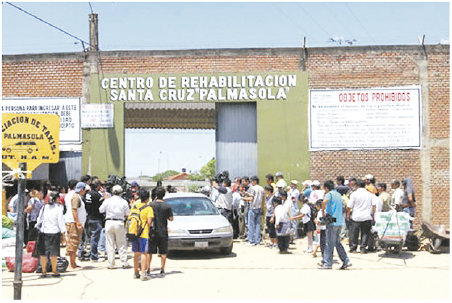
(51, 224)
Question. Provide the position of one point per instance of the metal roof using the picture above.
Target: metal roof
(193, 115)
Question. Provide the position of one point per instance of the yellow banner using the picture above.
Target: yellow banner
(30, 138)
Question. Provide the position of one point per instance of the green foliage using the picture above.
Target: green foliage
(208, 170)
(197, 177)
(193, 189)
(161, 176)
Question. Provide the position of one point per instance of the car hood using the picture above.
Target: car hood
(198, 222)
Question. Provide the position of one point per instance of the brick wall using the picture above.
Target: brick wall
(199, 64)
(56, 75)
(439, 97)
(380, 68)
(42, 77)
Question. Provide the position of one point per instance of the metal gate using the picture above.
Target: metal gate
(236, 138)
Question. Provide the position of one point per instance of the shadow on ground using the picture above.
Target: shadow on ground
(198, 255)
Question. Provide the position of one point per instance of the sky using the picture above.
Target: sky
(203, 25)
(187, 25)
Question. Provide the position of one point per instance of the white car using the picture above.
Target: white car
(197, 224)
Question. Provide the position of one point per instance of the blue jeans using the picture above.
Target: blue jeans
(254, 226)
(95, 227)
(333, 239)
(101, 245)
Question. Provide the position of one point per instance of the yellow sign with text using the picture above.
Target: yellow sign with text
(30, 138)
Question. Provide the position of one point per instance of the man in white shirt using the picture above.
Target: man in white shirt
(280, 180)
(116, 210)
(397, 195)
(224, 201)
(255, 212)
(362, 204)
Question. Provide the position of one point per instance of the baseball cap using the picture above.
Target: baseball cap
(117, 189)
(294, 182)
(369, 176)
(80, 186)
(278, 174)
(316, 183)
(134, 183)
(307, 182)
(281, 183)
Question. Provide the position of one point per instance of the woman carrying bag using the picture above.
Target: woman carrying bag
(50, 224)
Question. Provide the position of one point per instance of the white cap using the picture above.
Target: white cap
(316, 183)
(281, 183)
(278, 174)
(294, 182)
(369, 176)
(307, 182)
(117, 189)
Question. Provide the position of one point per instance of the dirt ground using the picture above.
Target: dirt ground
(251, 273)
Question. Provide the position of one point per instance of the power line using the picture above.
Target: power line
(49, 24)
(90, 7)
(315, 21)
(364, 28)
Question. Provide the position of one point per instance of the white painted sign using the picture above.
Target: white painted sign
(67, 108)
(97, 115)
(380, 118)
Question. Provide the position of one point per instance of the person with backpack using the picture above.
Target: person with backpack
(138, 224)
(308, 213)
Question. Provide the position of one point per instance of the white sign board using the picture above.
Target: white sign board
(97, 115)
(67, 108)
(382, 118)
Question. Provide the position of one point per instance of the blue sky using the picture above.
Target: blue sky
(201, 25)
(187, 25)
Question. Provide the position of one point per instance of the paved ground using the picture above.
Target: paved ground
(412, 275)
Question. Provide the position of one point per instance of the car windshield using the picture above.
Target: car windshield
(192, 206)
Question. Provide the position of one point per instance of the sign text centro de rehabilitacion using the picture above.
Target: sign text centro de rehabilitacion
(205, 88)
(30, 138)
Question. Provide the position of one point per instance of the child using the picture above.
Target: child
(282, 222)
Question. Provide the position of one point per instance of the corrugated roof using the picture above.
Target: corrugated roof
(170, 115)
(171, 105)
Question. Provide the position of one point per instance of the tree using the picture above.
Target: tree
(208, 170)
(161, 176)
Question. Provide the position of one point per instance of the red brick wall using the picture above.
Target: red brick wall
(61, 76)
(42, 77)
(374, 68)
(199, 64)
(439, 110)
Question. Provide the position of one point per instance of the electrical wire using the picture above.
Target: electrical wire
(363, 27)
(90, 7)
(315, 21)
(49, 24)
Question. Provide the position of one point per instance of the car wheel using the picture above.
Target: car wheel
(8, 150)
(29, 150)
(226, 250)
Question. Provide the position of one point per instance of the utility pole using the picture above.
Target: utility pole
(93, 33)
(20, 232)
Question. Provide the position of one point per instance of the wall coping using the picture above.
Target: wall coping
(229, 52)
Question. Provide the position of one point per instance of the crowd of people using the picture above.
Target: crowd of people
(90, 211)
(326, 213)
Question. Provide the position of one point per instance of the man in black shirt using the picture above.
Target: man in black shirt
(95, 219)
(162, 213)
